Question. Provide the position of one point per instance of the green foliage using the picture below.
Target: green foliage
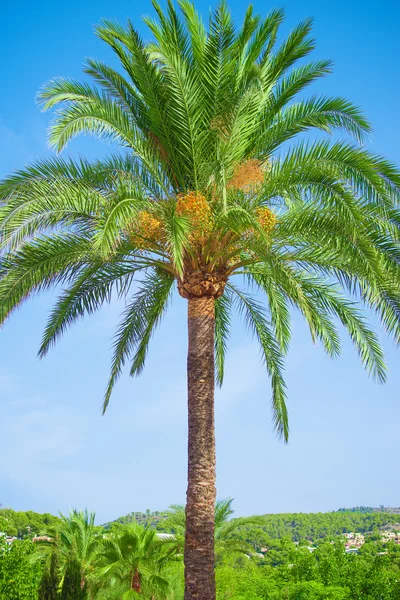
(77, 534)
(19, 575)
(78, 541)
(370, 509)
(315, 526)
(361, 509)
(114, 591)
(135, 557)
(153, 519)
(312, 590)
(246, 583)
(82, 563)
(26, 524)
(50, 582)
(73, 585)
(328, 573)
(174, 574)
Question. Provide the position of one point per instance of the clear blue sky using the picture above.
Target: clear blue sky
(57, 451)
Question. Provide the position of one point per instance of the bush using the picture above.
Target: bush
(19, 575)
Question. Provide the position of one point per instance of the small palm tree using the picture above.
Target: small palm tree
(227, 531)
(137, 558)
(74, 543)
(78, 543)
(209, 196)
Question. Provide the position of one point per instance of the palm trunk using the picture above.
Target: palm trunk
(201, 493)
(135, 585)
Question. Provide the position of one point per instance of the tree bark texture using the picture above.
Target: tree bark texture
(136, 586)
(201, 491)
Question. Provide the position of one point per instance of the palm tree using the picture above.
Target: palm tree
(78, 544)
(74, 543)
(227, 531)
(137, 558)
(208, 195)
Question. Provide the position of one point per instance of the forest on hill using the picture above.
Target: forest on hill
(394, 510)
(295, 526)
(28, 523)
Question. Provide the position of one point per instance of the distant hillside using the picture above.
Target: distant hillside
(152, 519)
(297, 526)
(371, 509)
(26, 523)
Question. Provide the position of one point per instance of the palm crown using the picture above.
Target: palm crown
(75, 542)
(208, 195)
(137, 558)
(76, 535)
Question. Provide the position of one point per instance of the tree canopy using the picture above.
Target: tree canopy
(207, 183)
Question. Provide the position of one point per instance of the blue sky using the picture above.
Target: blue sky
(57, 452)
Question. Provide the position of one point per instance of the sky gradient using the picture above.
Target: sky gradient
(58, 452)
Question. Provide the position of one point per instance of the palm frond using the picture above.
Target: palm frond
(255, 319)
(139, 319)
(222, 322)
